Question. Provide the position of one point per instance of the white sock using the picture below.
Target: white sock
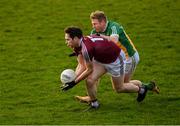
(95, 104)
(141, 90)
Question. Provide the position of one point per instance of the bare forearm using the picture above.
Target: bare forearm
(83, 75)
(113, 37)
(79, 69)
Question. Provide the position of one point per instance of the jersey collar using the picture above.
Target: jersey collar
(81, 41)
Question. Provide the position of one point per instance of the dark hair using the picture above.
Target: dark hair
(74, 31)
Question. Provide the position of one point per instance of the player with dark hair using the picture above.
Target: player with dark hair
(98, 56)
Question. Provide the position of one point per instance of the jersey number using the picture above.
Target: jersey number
(96, 39)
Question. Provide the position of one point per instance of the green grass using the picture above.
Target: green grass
(33, 53)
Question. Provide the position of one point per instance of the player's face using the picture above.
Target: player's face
(71, 42)
(97, 25)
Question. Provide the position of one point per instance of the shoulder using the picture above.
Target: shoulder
(114, 27)
(87, 42)
(113, 24)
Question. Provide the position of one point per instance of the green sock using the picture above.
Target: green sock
(149, 85)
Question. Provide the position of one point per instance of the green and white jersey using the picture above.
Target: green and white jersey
(124, 42)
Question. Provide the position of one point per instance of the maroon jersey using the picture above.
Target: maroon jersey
(95, 47)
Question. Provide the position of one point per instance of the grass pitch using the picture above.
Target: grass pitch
(33, 53)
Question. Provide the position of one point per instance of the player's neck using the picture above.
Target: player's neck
(105, 26)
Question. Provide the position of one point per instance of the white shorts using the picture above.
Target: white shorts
(116, 68)
(131, 63)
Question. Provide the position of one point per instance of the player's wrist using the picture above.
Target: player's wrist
(72, 83)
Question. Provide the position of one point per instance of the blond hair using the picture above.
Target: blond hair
(99, 15)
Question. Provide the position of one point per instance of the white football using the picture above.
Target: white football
(67, 76)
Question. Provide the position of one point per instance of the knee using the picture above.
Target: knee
(90, 82)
